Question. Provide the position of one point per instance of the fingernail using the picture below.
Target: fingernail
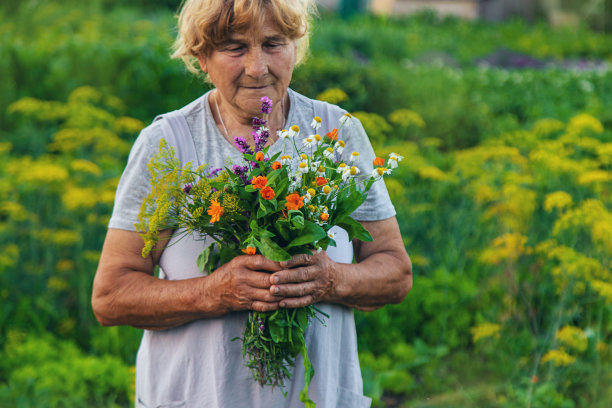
(276, 289)
(275, 279)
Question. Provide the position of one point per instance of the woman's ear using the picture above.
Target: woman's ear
(202, 62)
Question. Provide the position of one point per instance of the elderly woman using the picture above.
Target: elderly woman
(247, 49)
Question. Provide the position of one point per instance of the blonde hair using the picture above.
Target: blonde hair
(205, 24)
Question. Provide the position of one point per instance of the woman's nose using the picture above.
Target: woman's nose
(256, 63)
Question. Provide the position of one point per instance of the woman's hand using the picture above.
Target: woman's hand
(244, 284)
(304, 280)
(382, 274)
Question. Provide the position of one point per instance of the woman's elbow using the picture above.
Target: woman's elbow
(405, 286)
(101, 305)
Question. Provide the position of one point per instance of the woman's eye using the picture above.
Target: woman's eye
(235, 48)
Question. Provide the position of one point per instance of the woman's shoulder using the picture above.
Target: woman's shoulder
(308, 108)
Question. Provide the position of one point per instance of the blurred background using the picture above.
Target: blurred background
(502, 110)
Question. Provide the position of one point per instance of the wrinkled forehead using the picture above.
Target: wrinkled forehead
(246, 25)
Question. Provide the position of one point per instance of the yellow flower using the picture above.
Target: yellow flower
(573, 337)
(333, 96)
(432, 173)
(584, 122)
(604, 289)
(13, 210)
(558, 199)
(595, 176)
(485, 330)
(75, 198)
(507, 247)
(558, 357)
(9, 255)
(85, 166)
(128, 125)
(65, 237)
(544, 127)
(405, 118)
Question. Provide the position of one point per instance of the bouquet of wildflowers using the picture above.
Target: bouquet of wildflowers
(278, 206)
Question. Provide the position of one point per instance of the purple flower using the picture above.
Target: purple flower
(187, 188)
(214, 172)
(262, 328)
(242, 145)
(266, 104)
(260, 137)
(258, 122)
(241, 171)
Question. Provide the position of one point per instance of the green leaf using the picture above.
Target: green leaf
(348, 205)
(282, 227)
(203, 258)
(226, 254)
(276, 332)
(308, 373)
(355, 230)
(297, 220)
(272, 251)
(310, 234)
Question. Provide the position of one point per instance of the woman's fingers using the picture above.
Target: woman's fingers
(258, 263)
(295, 290)
(303, 274)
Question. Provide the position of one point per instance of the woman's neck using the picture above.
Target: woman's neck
(232, 123)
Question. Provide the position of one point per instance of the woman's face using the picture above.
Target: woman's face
(249, 65)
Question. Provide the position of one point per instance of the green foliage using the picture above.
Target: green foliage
(504, 213)
(43, 371)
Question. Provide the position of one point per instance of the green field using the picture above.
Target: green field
(504, 198)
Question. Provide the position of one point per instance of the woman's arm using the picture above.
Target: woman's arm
(382, 274)
(126, 292)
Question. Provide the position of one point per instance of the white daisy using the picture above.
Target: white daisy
(302, 167)
(328, 153)
(283, 134)
(380, 171)
(310, 142)
(354, 156)
(285, 160)
(396, 156)
(293, 131)
(339, 146)
(342, 168)
(345, 120)
(316, 123)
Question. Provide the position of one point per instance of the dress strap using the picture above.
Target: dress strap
(177, 134)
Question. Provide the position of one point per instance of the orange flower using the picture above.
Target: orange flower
(534, 379)
(215, 210)
(259, 156)
(267, 193)
(259, 182)
(324, 216)
(379, 161)
(321, 181)
(276, 165)
(294, 202)
(250, 250)
(333, 135)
